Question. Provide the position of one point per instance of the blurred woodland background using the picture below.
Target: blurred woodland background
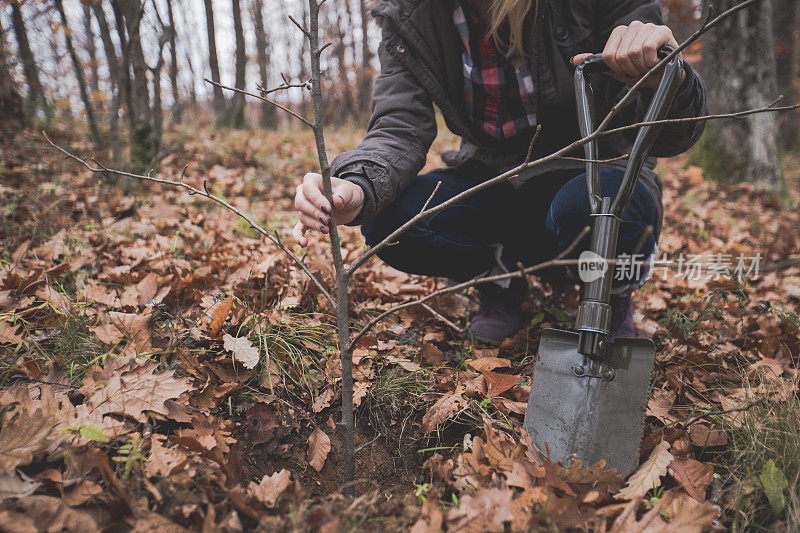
(126, 70)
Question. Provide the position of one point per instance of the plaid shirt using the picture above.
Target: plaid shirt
(498, 87)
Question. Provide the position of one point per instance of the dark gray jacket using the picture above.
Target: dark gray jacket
(421, 66)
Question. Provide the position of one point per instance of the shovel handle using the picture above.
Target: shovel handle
(659, 107)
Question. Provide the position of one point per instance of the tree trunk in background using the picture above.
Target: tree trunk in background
(365, 79)
(237, 101)
(91, 49)
(341, 58)
(786, 19)
(76, 65)
(739, 68)
(10, 100)
(219, 98)
(29, 66)
(177, 114)
(269, 116)
(124, 72)
(114, 75)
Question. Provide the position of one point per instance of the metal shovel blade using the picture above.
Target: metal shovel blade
(589, 418)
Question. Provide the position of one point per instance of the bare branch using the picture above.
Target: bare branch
(301, 28)
(276, 104)
(515, 172)
(205, 193)
(441, 317)
(599, 161)
(533, 141)
(425, 206)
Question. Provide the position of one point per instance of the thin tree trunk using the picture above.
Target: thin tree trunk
(10, 100)
(786, 19)
(29, 66)
(124, 71)
(115, 77)
(177, 114)
(365, 79)
(341, 59)
(739, 68)
(219, 98)
(76, 65)
(269, 117)
(237, 101)
(91, 48)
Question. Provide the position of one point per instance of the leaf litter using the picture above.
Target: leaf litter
(211, 394)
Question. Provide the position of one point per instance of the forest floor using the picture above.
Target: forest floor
(163, 367)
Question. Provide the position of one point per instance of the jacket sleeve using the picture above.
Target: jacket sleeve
(690, 100)
(400, 132)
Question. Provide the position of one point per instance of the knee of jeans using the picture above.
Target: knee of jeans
(568, 213)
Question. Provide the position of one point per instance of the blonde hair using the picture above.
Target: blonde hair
(514, 12)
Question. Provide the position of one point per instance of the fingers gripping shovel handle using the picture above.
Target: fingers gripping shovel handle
(594, 313)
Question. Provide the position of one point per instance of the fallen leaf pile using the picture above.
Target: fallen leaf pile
(162, 366)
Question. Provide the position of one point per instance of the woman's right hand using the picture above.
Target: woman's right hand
(314, 209)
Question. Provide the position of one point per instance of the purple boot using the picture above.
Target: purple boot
(621, 317)
(498, 315)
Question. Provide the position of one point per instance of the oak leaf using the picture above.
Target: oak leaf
(484, 510)
(319, 444)
(649, 474)
(693, 476)
(23, 435)
(243, 350)
(271, 487)
(445, 407)
(219, 315)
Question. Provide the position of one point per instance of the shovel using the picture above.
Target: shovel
(588, 395)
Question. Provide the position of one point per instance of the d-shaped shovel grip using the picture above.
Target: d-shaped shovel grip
(659, 107)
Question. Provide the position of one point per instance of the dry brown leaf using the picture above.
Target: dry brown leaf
(243, 350)
(702, 436)
(79, 493)
(53, 248)
(360, 389)
(133, 389)
(693, 476)
(445, 407)
(271, 487)
(485, 510)
(147, 288)
(163, 461)
(23, 433)
(219, 315)
(16, 485)
(322, 401)
(319, 444)
(489, 363)
(100, 295)
(8, 334)
(107, 333)
(649, 474)
(497, 383)
(135, 328)
(45, 513)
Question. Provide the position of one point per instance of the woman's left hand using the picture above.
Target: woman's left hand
(632, 51)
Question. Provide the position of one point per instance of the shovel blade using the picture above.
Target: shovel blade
(589, 418)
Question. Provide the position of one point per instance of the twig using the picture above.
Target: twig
(205, 193)
(425, 206)
(441, 317)
(599, 161)
(273, 102)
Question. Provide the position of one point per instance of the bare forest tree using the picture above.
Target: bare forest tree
(365, 76)
(269, 115)
(786, 16)
(739, 68)
(91, 49)
(10, 100)
(78, 71)
(237, 119)
(114, 77)
(177, 114)
(213, 62)
(36, 96)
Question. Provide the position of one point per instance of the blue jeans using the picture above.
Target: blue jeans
(532, 223)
